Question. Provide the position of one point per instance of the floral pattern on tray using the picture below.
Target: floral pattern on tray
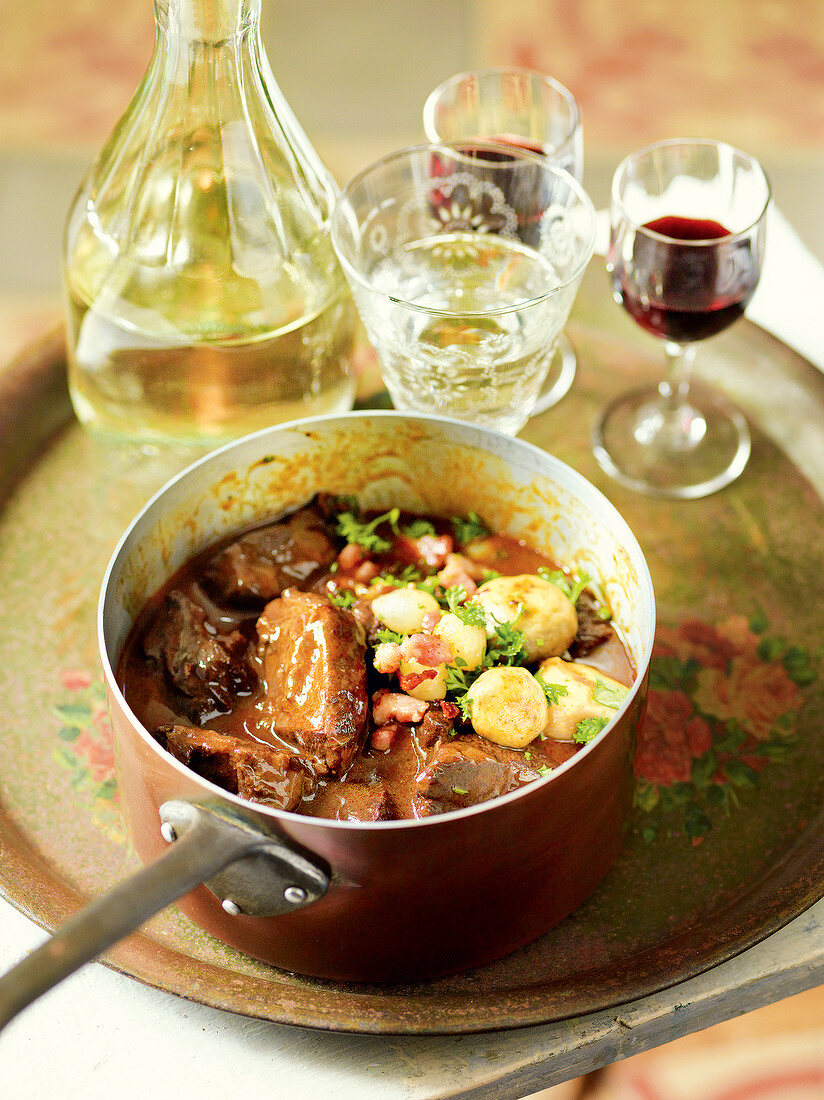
(84, 748)
(723, 704)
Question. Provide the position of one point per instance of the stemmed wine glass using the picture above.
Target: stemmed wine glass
(528, 110)
(686, 247)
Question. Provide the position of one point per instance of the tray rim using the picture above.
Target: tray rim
(37, 375)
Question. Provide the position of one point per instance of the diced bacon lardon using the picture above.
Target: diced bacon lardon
(387, 657)
(434, 549)
(427, 649)
(459, 571)
(351, 556)
(384, 737)
(390, 706)
(366, 572)
(410, 680)
(430, 621)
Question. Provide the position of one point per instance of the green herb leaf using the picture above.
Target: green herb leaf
(364, 534)
(553, 692)
(460, 790)
(571, 588)
(457, 685)
(544, 770)
(507, 646)
(418, 528)
(387, 635)
(469, 527)
(410, 574)
(429, 584)
(469, 613)
(609, 695)
(588, 728)
(465, 704)
(344, 598)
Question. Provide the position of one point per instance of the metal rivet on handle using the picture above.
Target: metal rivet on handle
(295, 895)
(231, 907)
(167, 831)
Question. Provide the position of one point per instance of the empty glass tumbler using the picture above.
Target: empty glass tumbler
(464, 267)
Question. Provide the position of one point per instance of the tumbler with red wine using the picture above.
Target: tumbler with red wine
(686, 246)
(519, 109)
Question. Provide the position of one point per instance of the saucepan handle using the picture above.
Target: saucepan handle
(251, 872)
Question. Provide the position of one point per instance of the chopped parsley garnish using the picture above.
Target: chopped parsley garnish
(429, 584)
(507, 647)
(588, 728)
(553, 692)
(469, 527)
(387, 635)
(458, 686)
(489, 575)
(364, 534)
(608, 695)
(410, 574)
(460, 790)
(469, 613)
(418, 528)
(544, 770)
(344, 598)
(570, 588)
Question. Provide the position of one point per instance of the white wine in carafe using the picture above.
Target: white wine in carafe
(203, 296)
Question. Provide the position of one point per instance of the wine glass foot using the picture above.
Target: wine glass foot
(682, 454)
(559, 377)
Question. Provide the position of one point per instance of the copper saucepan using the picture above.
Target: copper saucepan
(362, 901)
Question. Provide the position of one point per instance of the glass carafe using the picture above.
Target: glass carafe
(204, 299)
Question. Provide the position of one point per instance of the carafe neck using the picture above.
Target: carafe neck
(211, 21)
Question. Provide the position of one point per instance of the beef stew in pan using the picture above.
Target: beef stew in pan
(373, 667)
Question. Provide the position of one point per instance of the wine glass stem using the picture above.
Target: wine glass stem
(671, 425)
(676, 387)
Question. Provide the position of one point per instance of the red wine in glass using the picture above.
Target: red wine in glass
(492, 151)
(681, 286)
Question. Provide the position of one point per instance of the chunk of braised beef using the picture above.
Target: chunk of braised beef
(465, 771)
(262, 563)
(256, 772)
(592, 629)
(313, 657)
(330, 505)
(362, 611)
(211, 668)
(435, 726)
(352, 801)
